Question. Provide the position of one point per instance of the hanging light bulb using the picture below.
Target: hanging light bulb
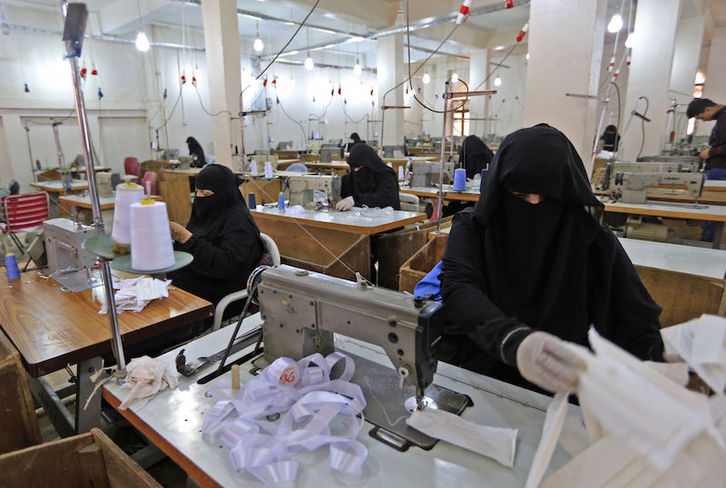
(616, 23)
(309, 63)
(426, 78)
(142, 42)
(497, 81)
(357, 70)
(258, 45)
(631, 40)
(455, 77)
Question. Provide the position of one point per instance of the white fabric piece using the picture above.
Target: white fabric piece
(702, 344)
(145, 377)
(676, 372)
(316, 411)
(648, 430)
(497, 443)
(135, 293)
(554, 420)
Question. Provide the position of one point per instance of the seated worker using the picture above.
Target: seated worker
(610, 138)
(221, 235)
(474, 156)
(370, 182)
(354, 140)
(196, 152)
(530, 267)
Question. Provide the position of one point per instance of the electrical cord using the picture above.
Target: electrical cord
(286, 44)
(299, 124)
(617, 123)
(642, 125)
(166, 121)
(199, 95)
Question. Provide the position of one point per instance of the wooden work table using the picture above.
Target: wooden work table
(468, 195)
(334, 243)
(52, 329)
(59, 187)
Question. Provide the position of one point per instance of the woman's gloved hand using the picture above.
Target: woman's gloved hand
(345, 204)
(179, 233)
(545, 360)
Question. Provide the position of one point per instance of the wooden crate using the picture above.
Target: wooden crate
(87, 460)
(421, 263)
(395, 248)
(18, 423)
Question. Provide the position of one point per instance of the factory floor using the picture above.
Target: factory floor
(165, 472)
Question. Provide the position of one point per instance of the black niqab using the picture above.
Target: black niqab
(474, 156)
(374, 184)
(195, 149)
(209, 213)
(549, 266)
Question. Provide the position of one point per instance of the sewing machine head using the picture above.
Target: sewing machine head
(632, 187)
(259, 161)
(68, 262)
(608, 181)
(302, 309)
(426, 173)
(309, 190)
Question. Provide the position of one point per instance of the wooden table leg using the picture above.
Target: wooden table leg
(717, 235)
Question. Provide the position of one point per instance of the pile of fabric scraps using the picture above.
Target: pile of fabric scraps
(645, 429)
(135, 293)
(372, 213)
(145, 377)
(315, 411)
(701, 343)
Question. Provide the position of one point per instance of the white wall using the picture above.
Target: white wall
(508, 104)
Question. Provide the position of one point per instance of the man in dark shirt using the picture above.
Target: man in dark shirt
(715, 154)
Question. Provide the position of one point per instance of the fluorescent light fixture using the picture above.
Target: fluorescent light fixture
(426, 78)
(328, 46)
(455, 77)
(616, 23)
(251, 17)
(497, 81)
(526, 56)
(326, 31)
(293, 53)
(309, 63)
(258, 45)
(289, 23)
(499, 48)
(356, 39)
(142, 42)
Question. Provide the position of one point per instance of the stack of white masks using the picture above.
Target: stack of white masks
(135, 293)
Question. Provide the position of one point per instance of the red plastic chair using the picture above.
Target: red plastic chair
(150, 180)
(132, 166)
(23, 213)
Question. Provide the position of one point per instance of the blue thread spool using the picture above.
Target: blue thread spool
(11, 267)
(460, 179)
(281, 201)
(251, 201)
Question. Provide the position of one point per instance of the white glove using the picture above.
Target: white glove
(546, 361)
(345, 204)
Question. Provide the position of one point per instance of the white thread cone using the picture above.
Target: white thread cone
(151, 246)
(126, 194)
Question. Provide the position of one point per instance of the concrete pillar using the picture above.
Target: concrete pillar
(478, 71)
(390, 64)
(221, 42)
(689, 39)
(650, 74)
(577, 41)
(715, 85)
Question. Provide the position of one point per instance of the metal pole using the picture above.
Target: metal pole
(30, 153)
(116, 343)
(56, 137)
(443, 154)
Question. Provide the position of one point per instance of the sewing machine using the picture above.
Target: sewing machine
(307, 190)
(426, 173)
(259, 160)
(612, 169)
(329, 152)
(68, 263)
(302, 310)
(632, 187)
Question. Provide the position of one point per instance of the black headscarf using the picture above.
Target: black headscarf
(549, 266)
(195, 149)
(374, 184)
(209, 213)
(474, 156)
(355, 137)
(225, 240)
(610, 138)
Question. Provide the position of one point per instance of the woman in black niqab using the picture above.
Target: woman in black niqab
(196, 151)
(474, 156)
(225, 240)
(512, 267)
(370, 182)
